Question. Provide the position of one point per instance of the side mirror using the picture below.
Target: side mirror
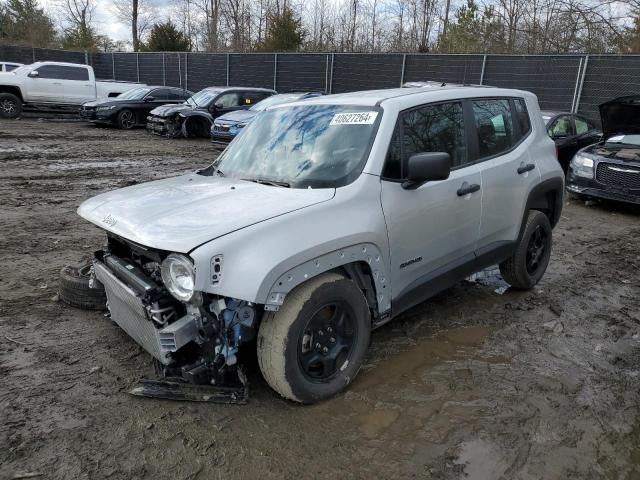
(218, 106)
(149, 98)
(33, 74)
(426, 167)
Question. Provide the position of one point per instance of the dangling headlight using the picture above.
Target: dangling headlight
(178, 276)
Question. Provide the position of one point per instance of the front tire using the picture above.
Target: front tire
(524, 269)
(314, 346)
(126, 119)
(10, 106)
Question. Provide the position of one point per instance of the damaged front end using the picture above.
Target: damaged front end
(166, 126)
(194, 337)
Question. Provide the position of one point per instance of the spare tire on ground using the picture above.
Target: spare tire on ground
(74, 289)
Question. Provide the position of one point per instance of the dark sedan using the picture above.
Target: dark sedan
(130, 109)
(610, 169)
(570, 132)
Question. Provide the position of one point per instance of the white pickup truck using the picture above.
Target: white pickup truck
(53, 85)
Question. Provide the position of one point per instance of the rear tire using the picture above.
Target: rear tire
(74, 289)
(10, 106)
(524, 269)
(126, 119)
(314, 346)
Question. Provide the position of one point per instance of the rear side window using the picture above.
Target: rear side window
(179, 94)
(494, 127)
(10, 66)
(61, 72)
(522, 117)
(160, 94)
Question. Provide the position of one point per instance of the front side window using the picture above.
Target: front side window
(303, 146)
(561, 127)
(435, 128)
(494, 126)
(60, 72)
(228, 100)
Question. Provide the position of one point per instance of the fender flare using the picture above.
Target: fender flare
(361, 253)
(12, 89)
(548, 197)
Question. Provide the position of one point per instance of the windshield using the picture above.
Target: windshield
(625, 139)
(202, 98)
(274, 100)
(303, 146)
(134, 94)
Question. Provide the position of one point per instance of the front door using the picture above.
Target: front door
(434, 227)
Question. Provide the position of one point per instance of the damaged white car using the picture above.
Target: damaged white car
(322, 221)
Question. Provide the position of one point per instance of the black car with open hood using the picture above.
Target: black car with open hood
(130, 109)
(610, 169)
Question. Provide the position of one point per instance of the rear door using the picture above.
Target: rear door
(79, 86)
(503, 135)
(434, 226)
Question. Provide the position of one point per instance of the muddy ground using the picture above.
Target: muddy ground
(472, 384)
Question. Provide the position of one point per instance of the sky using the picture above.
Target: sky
(104, 19)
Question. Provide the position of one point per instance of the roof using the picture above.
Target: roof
(400, 95)
(252, 89)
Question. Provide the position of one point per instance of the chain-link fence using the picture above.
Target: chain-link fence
(561, 82)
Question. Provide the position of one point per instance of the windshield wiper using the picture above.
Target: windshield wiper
(262, 181)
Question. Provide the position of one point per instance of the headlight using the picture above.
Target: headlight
(178, 276)
(582, 166)
(241, 125)
(102, 109)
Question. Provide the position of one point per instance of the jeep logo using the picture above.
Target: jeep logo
(109, 220)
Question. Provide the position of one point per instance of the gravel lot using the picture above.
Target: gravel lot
(472, 384)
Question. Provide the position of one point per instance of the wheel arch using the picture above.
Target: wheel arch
(547, 197)
(191, 119)
(13, 90)
(362, 263)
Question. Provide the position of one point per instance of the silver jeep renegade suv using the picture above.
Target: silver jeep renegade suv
(323, 220)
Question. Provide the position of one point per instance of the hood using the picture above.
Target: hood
(239, 116)
(611, 151)
(178, 214)
(169, 110)
(620, 116)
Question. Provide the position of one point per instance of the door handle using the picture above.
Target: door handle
(525, 168)
(466, 189)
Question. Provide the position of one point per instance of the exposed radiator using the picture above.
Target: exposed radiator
(128, 311)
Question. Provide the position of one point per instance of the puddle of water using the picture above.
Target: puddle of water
(482, 460)
(427, 352)
(415, 388)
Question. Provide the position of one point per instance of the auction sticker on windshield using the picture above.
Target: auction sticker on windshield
(354, 118)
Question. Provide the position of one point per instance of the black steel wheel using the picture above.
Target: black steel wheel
(10, 106)
(524, 269)
(327, 341)
(126, 119)
(314, 346)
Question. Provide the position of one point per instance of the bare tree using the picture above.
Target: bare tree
(140, 14)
